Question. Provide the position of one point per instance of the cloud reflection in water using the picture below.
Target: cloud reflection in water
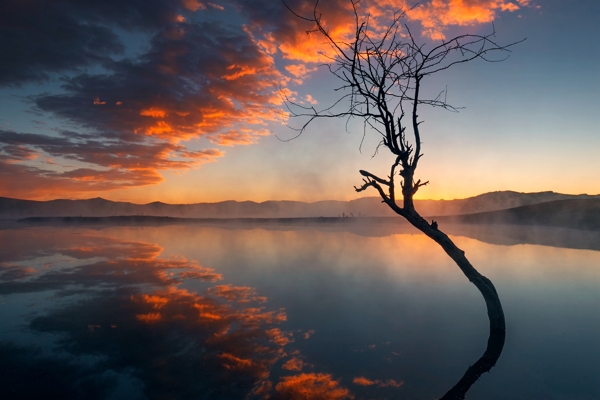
(129, 328)
(109, 314)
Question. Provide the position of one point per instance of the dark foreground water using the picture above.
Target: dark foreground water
(280, 312)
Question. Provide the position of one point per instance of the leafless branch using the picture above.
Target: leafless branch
(381, 74)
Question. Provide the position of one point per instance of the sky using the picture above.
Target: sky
(182, 101)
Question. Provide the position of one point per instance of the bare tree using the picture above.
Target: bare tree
(382, 72)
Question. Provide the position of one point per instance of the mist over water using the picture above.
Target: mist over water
(191, 311)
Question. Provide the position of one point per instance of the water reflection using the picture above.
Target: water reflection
(196, 312)
(484, 364)
(372, 227)
(311, 386)
(137, 325)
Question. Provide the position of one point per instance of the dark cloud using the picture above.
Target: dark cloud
(114, 163)
(27, 181)
(194, 80)
(128, 120)
(14, 273)
(117, 154)
(17, 152)
(38, 38)
(41, 37)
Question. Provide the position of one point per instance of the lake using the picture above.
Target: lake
(288, 311)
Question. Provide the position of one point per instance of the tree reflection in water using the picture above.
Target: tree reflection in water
(481, 366)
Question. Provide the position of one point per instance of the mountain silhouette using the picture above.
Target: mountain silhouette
(367, 206)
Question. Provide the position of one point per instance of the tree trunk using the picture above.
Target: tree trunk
(492, 301)
(485, 286)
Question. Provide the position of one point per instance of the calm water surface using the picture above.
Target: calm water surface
(197, 312)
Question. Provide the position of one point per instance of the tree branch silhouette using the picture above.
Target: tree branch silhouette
(382, 73)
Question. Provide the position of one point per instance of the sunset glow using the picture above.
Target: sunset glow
(185, 101)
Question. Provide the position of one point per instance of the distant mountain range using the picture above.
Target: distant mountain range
(572, 213)
(367, 206)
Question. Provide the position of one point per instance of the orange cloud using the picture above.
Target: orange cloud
(337, 17)
(391, 383)
(362, 381)
(243, 136)
(312, 386)
(233, 362)
(153, 112)
(238, 71)
(278, 337)
(159, 128)
(299, 70)
(436, 15)
(203, 274)
(194, 5)
(310, 99)
(257, 315)
(149, 317)
(298, 43)
(293, 364)
(157, 301)
(116, 165)
(239, 294)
